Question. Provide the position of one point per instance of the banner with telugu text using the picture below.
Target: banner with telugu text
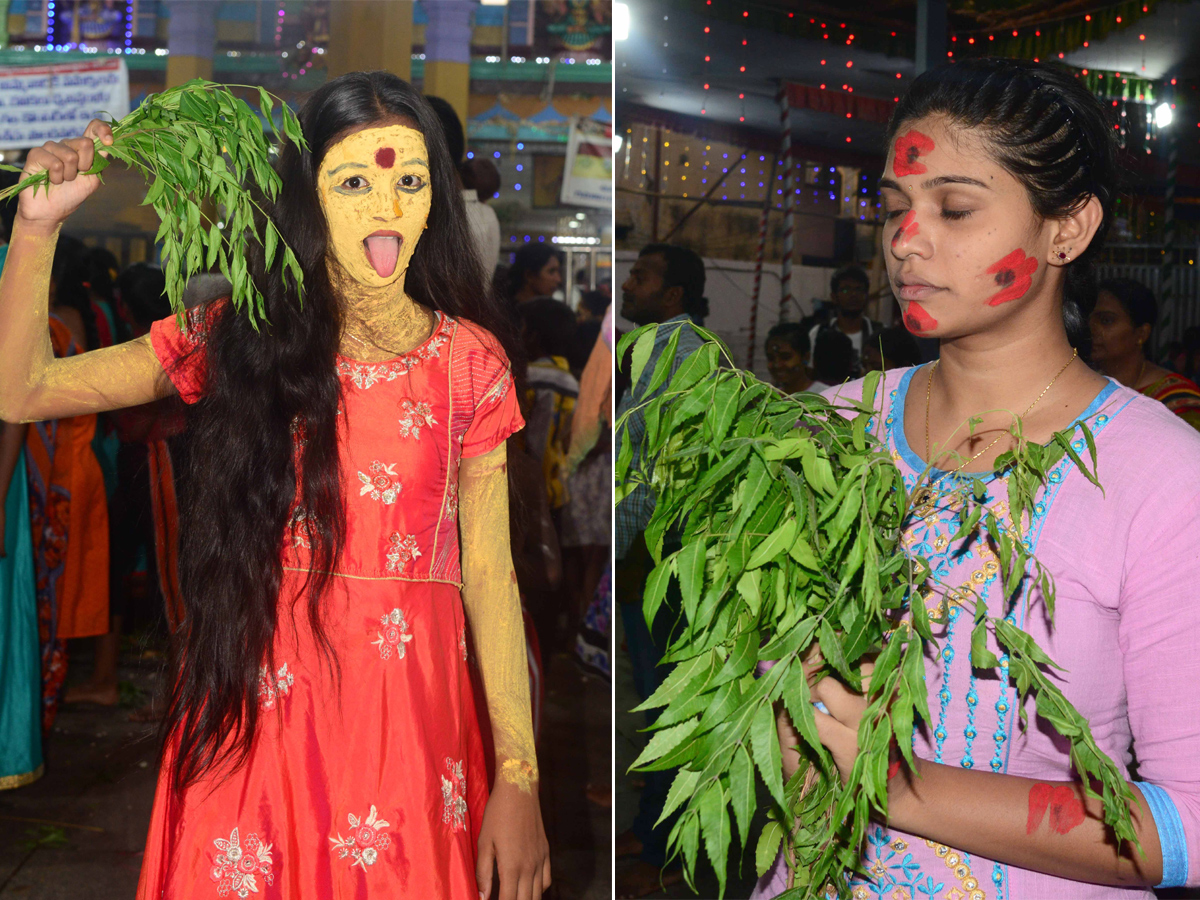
(52, 103)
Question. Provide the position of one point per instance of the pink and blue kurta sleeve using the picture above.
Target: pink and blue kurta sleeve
(1159, 636)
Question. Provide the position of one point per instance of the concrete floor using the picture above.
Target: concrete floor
(79, 831)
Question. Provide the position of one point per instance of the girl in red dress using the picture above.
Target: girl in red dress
(345, 553)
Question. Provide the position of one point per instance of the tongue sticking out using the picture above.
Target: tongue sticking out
(383, 253)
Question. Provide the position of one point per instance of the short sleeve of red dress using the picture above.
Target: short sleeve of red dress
(496, 414)
(181, 352)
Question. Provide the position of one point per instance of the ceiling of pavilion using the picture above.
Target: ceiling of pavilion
(669, 57)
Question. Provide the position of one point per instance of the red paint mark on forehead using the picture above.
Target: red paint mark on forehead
(909, 147)
(1013, 276)
(918, 320)
(385, 157)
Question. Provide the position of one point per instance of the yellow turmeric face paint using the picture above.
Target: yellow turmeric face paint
(375, 193)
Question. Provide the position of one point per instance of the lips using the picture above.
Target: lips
(383, 251)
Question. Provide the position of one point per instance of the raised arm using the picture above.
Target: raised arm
(33, 384)
(512, 827)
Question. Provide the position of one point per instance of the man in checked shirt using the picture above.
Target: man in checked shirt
(665, 286)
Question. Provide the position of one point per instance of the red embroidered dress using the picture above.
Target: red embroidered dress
(376, 790)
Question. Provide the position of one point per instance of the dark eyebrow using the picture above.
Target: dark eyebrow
(346, 165)
(936, 182)
(416, 160)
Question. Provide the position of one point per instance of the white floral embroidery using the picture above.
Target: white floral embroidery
(382, 483)
(452, 499)
(299, 435)
(454, 796)
(271, 688)
(416, 416)
(365, 841)
(301, 528)
(462, 643)
(497, 392)
(394, 635)
(365, 375)
(404, 550)
(239, 864)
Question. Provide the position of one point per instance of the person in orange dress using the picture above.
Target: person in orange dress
(69, 517)
(344, 553)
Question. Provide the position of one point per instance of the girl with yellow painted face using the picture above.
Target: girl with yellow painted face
(345, 561)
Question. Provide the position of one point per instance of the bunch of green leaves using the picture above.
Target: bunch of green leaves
(196, 143)
(791, 515)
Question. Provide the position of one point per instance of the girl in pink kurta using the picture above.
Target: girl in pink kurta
(997, 194)
(1126, 630)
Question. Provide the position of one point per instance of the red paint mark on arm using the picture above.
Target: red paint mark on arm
(909, 147)
(1039, 799)
(918, 320)
(385, 157)
(909, 226)
(1066, 809)
(1013, 276)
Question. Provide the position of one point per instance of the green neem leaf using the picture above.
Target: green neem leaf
(764, 740)
(662, 742)
(768, 848)
(741, 790)
(681, 790)
(714, 821)
(981, 656)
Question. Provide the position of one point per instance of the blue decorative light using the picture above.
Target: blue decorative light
(520, 146)
(470, 154)
(527, 239)
(520, 168)
(516, 187)
(496, 154)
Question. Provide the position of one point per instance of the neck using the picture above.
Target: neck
(1127, 369)
(379, 322)
(1002, 371)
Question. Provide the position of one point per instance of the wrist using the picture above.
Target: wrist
(520, 773)
(903, 799)
(36, 229)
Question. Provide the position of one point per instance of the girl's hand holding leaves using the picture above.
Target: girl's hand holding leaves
(195, 144)
(67, 166)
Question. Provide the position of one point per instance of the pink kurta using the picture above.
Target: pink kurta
(1126, 565)
(375, 788)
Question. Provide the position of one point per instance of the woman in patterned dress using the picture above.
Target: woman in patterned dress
(998, 191)
(322, 739)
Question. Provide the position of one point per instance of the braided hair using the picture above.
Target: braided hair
(1045, 129)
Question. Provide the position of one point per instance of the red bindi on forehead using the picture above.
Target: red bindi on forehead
(385, 157)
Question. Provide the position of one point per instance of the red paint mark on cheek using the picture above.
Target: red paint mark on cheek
(918, 320)
(909, 226)
(385, 157)
(893, 770)
(1066, 809)
(909, 147)
(512, 576)
(1013, 276)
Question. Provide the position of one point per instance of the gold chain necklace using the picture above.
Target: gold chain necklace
(923, 496)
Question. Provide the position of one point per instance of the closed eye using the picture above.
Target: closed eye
(955, 214)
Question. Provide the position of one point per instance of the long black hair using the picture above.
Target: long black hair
(529, 260)
(1048, 131)
(263, 388)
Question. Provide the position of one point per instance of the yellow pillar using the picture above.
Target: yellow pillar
(452, 82)
(181, 69)
(190, 40)
(367, 35)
